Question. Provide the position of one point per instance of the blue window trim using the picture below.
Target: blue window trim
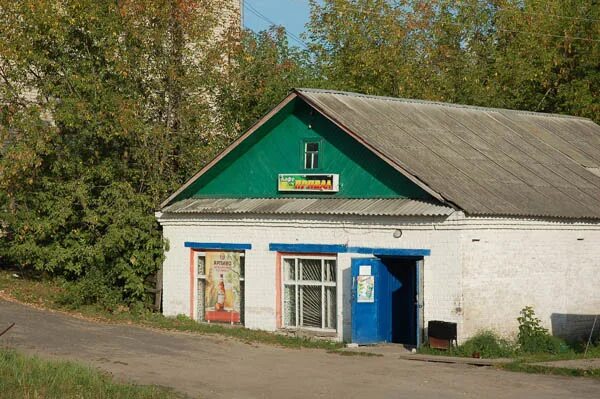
(341, 248)
(217, 245)
(307, 248)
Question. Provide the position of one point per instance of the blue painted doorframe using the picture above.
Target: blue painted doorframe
(396, 314)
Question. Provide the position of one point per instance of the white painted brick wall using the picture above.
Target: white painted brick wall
(478, 284)
(530, 263)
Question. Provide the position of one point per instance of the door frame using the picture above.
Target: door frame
(419, 290)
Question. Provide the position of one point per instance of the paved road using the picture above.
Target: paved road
(216, 367)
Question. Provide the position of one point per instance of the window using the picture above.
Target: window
(311, 155)
(201, 286)
(309, 292)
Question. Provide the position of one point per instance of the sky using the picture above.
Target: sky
(293, 14)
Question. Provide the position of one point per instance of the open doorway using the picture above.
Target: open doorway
(386, 300)
(400, 303)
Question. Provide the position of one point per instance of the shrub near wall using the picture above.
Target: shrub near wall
(533, 338)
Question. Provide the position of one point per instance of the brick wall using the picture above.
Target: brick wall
(481, 272)
(510, 264)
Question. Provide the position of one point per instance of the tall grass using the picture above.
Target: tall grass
(31, 378)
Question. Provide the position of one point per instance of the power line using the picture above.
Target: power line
(254, 11)
(516, 10)
(361, 11)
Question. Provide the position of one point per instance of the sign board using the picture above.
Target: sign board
(324, 183)
(364, 270)
(222, 292)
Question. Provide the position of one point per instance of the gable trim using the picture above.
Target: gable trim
(231, 147)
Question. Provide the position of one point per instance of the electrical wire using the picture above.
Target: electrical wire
(361, 11)
(516, 10)
(260, 15)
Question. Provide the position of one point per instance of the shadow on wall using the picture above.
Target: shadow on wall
(575, 326)
(347, 305)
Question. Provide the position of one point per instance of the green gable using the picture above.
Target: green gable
(251, 169)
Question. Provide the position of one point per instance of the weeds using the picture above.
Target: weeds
(486, 344)
(533, 338)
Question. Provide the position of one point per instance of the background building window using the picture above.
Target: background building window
(311, 155)
(309, 292)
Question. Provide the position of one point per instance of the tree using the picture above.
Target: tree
(104, 112)
(527, 54)
(259, 70)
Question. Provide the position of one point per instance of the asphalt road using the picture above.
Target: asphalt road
(217, 367)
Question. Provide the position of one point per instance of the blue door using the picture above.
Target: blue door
(366, 280)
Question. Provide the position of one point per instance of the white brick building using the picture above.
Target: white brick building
(451, 213)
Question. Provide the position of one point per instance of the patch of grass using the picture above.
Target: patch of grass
(486, 344)
(353, 353)
(34, 290)
(525, 366)
(47, 294)
(31, 377)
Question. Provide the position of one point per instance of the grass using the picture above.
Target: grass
(525, 366)
(46, 293)
(488, 345)
(31, 377)
(353, 353)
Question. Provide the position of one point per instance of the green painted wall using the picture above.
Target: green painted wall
(277, 147)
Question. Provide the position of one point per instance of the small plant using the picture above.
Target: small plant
(486, 344)
(532, 337)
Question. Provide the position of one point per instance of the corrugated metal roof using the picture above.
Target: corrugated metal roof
(486, 161)
(310, 206)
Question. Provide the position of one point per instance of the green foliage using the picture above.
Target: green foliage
(31, 377)
(538, 55)
(487, 344)
(103, 114)
(533, 338)
(261, 69)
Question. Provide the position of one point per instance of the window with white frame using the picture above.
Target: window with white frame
(311, 155)
(201, 286)
(309, 292)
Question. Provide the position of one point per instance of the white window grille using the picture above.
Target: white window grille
(201, 286)
(309, 292)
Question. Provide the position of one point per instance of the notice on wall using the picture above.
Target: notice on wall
(222, 293)
(365, 289)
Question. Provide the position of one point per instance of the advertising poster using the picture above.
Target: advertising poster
(222, 293)
(365, 289)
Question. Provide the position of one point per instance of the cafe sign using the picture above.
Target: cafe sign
(327, 183)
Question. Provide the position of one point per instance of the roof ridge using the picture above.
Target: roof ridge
(446, 104)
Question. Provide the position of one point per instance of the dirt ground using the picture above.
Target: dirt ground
(216, 367)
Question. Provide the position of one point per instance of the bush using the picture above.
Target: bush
(92, 289)
(533, 338)
(486, 344)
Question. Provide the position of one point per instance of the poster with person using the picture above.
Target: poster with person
(222, 293)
